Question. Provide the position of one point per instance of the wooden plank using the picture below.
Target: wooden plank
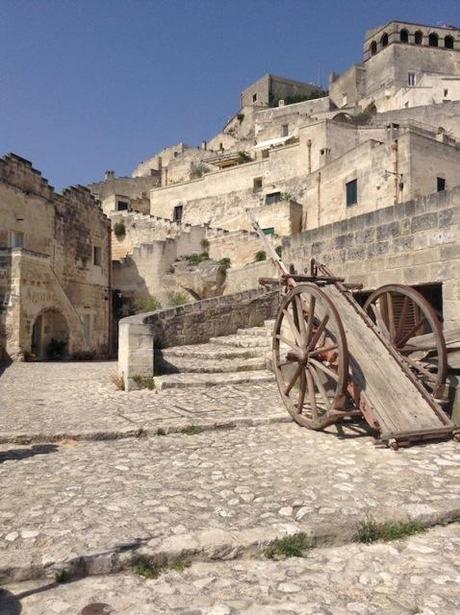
(398, 404)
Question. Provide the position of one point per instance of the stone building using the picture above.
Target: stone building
(386, 134)
(55, 268)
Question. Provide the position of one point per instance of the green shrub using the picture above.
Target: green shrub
(119, 230)
(153, 571)
(177, 298)
(198, 170)
(196, 259)
(204, 243)
(144, 382)
(146, 304)
(243, 157)
(261, 255)
(289, 546)
(225, 262)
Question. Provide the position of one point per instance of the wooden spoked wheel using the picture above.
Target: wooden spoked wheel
(406, 319)
(310, 357)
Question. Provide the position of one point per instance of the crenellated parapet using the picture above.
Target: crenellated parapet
(20, 173)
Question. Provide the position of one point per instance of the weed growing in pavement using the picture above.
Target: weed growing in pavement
(191, 430)
(370, 531)
(289, 546)
(144, 382)
(118, 381)
(61, 576)
(153, 571)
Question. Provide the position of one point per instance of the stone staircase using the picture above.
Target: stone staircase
(233, 359)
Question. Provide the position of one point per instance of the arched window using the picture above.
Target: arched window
(384, 40)
(449, 42)
(418, 37)
(433, 40)
(373, 48)
(404, 36)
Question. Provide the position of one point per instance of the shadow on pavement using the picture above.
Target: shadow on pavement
(17, 454)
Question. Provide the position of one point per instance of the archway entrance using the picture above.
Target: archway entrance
(50, 336)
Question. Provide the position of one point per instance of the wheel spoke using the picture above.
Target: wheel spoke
(426, 373)
(293, 379)
(391, 315)
(294, 329)
(320, 387)
(407, 336)
(303, 388)
(301, 320)
(288, 343)
(312, 396)
(311, 315)
(402, 318)
(318, 332)
(318, 351)
(327, 370)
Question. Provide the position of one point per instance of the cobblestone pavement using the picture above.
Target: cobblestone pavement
(48, 401)
(216, 490)
(418, 575)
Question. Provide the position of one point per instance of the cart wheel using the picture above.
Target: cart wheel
(310, 357)
(406, 319)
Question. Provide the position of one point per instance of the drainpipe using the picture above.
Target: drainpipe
(309, 155)
(395, 150)
(318, 180)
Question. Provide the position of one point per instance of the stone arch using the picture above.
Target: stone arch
(373, 48)
(384, 39)
(449, 42)
(404, 35)
(418, 37)
(50, 335)
(433, 39)
(342, 117)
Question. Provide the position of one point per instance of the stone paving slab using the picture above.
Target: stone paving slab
(418, 575)
(93, 504)
(43, 402)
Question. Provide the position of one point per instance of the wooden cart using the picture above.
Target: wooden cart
(335, 360)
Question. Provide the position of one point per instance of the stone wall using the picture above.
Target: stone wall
(416, 242)
(187, 324)
(54, 271)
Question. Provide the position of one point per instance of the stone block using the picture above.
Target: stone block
(404, 227)
(450, 252)
(356, 254)
(344, 241)
(417, 275)
(399, 261)
(403, 244)
(424, 222)
(386, 231)
(367, 235)
(377, 249)
(429, 255)
(447, 217)
(442, 236)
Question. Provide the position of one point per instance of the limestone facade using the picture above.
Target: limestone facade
(55, 267)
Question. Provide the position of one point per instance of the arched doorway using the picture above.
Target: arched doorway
(50, 335)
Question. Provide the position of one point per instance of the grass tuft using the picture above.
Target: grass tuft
(370, 531)
(118, 381)
(288, 546)
(153, 571)
(191, 430)
(61, 576)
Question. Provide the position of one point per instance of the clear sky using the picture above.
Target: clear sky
(90, 85)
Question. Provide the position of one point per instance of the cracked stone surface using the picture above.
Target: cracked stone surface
(48, 400)
(417, 575)
(165, 494)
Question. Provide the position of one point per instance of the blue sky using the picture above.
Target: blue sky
(90, 85)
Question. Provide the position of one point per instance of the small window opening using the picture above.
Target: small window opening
(433, 40)
(449, 42)
(404, 36)
(352, 192)
(373, 48)
(97, 256)
(17, 239)
(268, 231)
(257, 184)
(177, 213)
(418, 37)
(284, 130)
(254, 97)
(176, 154)
(122, 205)
(265, 153)
(273, 197)
(446, 92)
(384, 40)
(411, 79)
(440, 184)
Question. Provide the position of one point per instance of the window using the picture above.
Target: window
(411, 79)
(273, 197)
(433, 40)
(352, 192)
(268, 231)
(404, 36)
(440, 184)
(177, 213)
(373, 48)
(384, 40)
(97, 256)
(17, 239)
(122, 206)
(254, 97)
(446, 92)
(418, 37)
(449, 42)
(176, 154)
(257, 184)
(284, 130)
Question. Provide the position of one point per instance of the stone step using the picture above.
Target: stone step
(255, 331)
(209, 351)
(182, 381)
(242, 341)
(210, 366)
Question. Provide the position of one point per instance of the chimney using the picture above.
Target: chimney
(204, 145)
(109, 175)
